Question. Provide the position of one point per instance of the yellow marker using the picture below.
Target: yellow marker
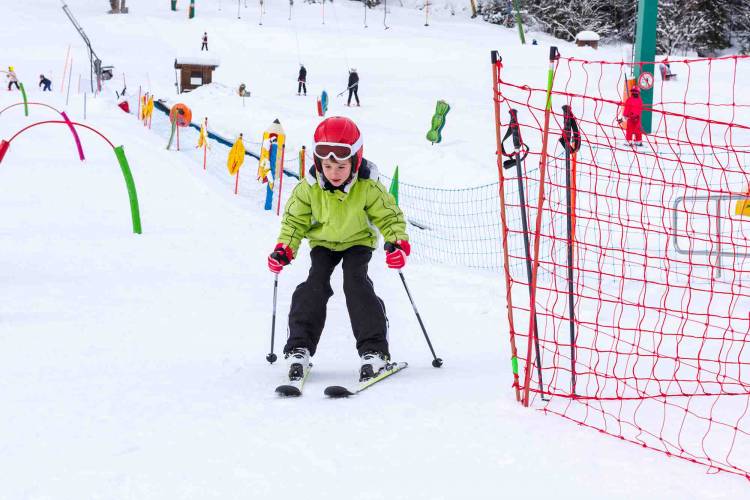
(202, 137)
(236, 156)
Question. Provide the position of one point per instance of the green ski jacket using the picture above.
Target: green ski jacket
(337, 219)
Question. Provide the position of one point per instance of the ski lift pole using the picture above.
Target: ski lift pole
(70, 75)
(520, 152)
(65, 68)
(519, 22)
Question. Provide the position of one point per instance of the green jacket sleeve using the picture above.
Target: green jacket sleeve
(297, 217)
(385, 214)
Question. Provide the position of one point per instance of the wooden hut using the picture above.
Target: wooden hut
(194, 71)
(587, 39)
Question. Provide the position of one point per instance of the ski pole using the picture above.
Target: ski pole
(521, 150)
(436, 362)
(518, 157)
(347, 88)
(571, 142)
(271, 356)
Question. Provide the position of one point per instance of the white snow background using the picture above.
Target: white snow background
(133, 366)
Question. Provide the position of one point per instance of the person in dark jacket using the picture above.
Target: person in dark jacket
(302, 80)
(353, 86)
(204, 45)
(45, 83)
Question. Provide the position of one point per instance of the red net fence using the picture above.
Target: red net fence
(628, 266)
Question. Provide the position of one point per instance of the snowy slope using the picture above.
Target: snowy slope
(133, 365)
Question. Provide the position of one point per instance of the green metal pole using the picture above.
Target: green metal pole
(135, 212)
(645, 51)
(519, 22)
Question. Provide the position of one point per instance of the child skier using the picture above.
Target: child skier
(632, 113)
(46, 83)
(12, 78)
(335, 207)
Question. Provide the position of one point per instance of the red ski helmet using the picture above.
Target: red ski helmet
(635, 91)
(338, 137)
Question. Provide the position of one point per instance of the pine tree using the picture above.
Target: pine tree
(672, 30)
(705, 26)
(738, 13)
(698, 25)
(623, 14)
(712, 26)
(496, 11)
(565, 19)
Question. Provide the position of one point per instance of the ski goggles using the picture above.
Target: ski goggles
(339, 151)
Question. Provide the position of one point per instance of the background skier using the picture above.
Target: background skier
(45, 83)
(333, 207)
(353, 86)
(204, 39)
(302, 80)
(12, 78)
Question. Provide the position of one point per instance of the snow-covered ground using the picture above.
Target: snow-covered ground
(133, 366)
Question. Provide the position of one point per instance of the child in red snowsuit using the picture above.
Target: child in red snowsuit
(632, 113)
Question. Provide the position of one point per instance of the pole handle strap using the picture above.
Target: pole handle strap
(571, 137)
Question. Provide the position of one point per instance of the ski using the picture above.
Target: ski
(337, 391)
(293, 388)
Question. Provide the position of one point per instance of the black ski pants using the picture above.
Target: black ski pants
(353, 92)
(307, 315)
(302, 86)
(204, 46)
(10, 83)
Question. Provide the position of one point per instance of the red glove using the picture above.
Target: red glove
(280, 257)
(395, 253)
